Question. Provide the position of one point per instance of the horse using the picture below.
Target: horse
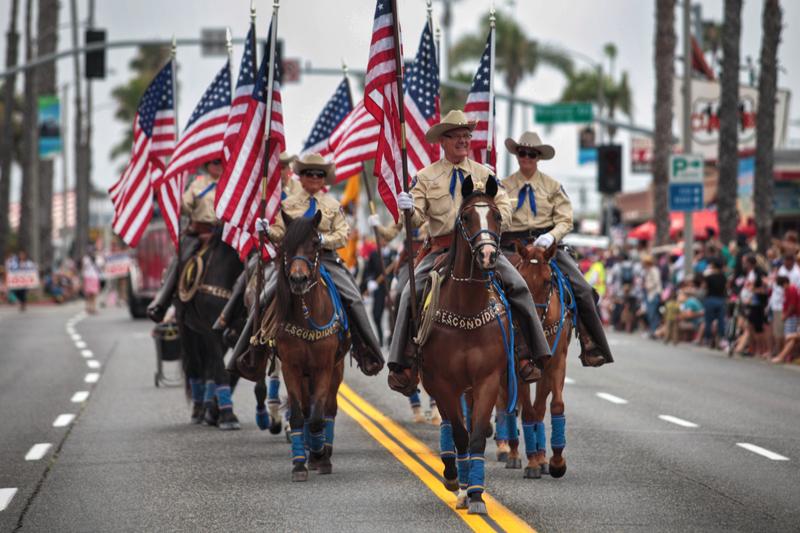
(553, 294)
(213, 271)
(311, 341)
(461, 350)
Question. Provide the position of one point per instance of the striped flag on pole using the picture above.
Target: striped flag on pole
(354, 141)
(244, 89)
(480, 108)
(331, 116)
(153, 142)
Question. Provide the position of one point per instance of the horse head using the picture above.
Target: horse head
(478, 221)
(534, 266)
(301, 249)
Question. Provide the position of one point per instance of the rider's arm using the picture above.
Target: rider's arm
(340, 229)
(277, 230)
(562, 213)
(420, 203)
(188, 200)
(390, 232)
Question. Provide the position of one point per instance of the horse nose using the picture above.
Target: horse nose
(489, 256)
(298, 278)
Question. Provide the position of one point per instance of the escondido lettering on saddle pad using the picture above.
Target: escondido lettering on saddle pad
(310, 335)
(453, 320)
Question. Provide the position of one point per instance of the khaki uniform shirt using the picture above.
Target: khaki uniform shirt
(432, 200)
(200, 209)
(553, 207)
(390, 232)
(292, 187)
(333, 227)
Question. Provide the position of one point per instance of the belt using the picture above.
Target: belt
(442, 241)
(508, 237)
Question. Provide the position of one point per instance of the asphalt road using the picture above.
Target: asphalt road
(129, 460)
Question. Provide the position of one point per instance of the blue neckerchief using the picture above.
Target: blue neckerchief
(283, 195)
(312, 207)
(207, 190)
(531, 198)
(456, 172)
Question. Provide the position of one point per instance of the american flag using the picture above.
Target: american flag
(354, 141)
(477, 108)
(381, 101)
(244, 88)
(153, 142)
(421, 87)
(200, 143)
(332, 115)
(238, 199)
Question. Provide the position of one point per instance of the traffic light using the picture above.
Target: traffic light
(609, 169)
(95, 61)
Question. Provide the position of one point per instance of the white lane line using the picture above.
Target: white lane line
(91, 363)
(678, 421)
(762, 451)
(91, 377)
(569, 381)
(37, 451)
(87, 354)
(5, 497)
(75, 337)
(80, 345)
(63, 420)
(611, 398)
(80, 396)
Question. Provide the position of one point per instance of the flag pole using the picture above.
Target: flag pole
(259, 265)
(372, 211)
(404, 157)
(229, 48)
(490, 125)
(173, 55)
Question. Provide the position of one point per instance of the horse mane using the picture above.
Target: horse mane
(298, 231)
(451, 253)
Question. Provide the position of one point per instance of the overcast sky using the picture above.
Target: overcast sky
(323, 32)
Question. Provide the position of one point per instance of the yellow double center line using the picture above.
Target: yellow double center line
(423, 463)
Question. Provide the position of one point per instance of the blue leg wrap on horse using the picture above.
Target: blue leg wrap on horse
(476, 474)
(211, 391)
(414, 400)
(298, 446)
(306, 434)
(329, 422)
(273, 389)
(198, 389)
(462, 462)
(529, 433)
(558, 436)
(317, 442)
(513, 430)
(224, 397)
(467, 413)
(541, 437)
(447, 447)
(501, 426)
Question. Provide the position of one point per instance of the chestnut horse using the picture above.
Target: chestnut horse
(311, 342)
(555, 304)
(469, 344)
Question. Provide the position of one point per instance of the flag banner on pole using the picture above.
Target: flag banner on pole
(239, 189)
(332, 115)
(153, 142)
(478, 108)
(421, 97)
(244, 89)
(381, 101)
(354, 141)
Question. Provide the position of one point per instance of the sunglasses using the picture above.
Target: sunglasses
(313, 174)
(462, 137)
(531, 154)
(215, 162)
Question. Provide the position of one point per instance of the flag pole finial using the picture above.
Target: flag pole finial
(492, 17)
(252, 11)
(344, 67)
(228, 41)
(174, 49)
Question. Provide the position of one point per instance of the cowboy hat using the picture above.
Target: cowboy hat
(286, 158)
(453, 120)
(315, 162)
(530, 139)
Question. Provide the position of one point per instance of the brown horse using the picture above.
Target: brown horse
(463, 350)
(556, 312)
(311, 343)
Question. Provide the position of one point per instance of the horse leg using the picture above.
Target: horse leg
(332, 407)
(262, 418)
(193, 375)
(211, 417)
(416, 408)
(537, 462)
(273, 398)
(461, 440)
(484, 396)
(433, 416)
(514, 461)
(227, 419)
(558, 436)
(316, 423)
(501, 426)
(293, 379)
(449, 409)
(529, 425)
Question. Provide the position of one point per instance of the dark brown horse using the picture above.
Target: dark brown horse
(464, 349)
(555, 305)
(311, 342)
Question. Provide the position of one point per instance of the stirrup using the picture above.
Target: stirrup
(404, 381)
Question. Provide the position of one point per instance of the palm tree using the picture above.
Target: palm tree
(662, 141)
(765, 125)
(516, 56)
(27, 234)
(583, 86)
(47, 30)
(7, 132)
(728, 121)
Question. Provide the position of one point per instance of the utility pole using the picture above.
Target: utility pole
(64, 170)
(688, 223)
(6, 134)
(86, 137)
(28, 231)
(81, 179)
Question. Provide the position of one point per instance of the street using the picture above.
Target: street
(667, 438)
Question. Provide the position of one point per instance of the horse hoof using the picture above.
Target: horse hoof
(532, 473)
(300, 474)
(262, 420)
(477, 507)
(325, 468)
(502, 457)
(558, 471)
(514, 463)
(451, 484)
(461, 499)
(275, 428)
(545, 468)
(230, 426)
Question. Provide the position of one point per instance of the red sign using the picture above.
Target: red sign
(23, 278)
(641, 155)
(116, 266)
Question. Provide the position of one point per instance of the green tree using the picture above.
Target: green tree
(8, 139)
(516, 56)
(145, 65)
(662, 140)
(584, 85)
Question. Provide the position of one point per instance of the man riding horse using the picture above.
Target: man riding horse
(543, 215)
(314, 171)
(436, 198)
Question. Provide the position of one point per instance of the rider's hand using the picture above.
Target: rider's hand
(262, 225)
(404, 201)
(374, 221)
(545, 240)
(372, 285)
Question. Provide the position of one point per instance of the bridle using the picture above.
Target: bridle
(547, 283)
(313, 266)
(474, 241)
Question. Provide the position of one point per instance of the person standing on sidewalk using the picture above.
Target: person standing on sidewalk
(651, 286)
(714, 303)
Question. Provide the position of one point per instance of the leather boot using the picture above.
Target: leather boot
(590, 353)
(405, 379)
(527, 370)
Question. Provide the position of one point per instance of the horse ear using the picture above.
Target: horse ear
(491, 186)
(467, 187)
(551, 251)
(286, 218)
(520, 250)
(317, 218)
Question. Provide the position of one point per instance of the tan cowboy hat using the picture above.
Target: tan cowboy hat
(453, 120)
(286, 158)
(530, 139)
(315, 162)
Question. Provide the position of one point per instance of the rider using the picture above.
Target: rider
(333, 229)
(198, 203)
(436, 198)
(543, 215)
